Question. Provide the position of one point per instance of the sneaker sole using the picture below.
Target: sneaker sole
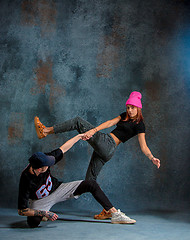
(123, 222)
(37, 129)
(102, 218)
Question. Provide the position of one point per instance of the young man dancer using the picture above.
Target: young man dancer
(39, 190)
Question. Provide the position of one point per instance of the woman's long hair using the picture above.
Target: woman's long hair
(138, 118)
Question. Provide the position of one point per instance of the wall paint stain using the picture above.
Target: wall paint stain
(16, 128)
(108, 58)
(44, 81)
(153, 88)
(40, 13)
(43, 74)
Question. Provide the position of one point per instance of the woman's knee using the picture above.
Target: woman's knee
(34, 222)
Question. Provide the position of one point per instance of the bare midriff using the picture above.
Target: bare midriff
(117, 141)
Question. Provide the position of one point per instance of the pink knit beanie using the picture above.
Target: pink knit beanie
(135, 99)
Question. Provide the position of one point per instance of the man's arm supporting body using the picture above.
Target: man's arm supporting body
(32, 213)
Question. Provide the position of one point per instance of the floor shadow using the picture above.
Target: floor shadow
(21, 224)
(24, 225)
(83, 213)
(83, 220)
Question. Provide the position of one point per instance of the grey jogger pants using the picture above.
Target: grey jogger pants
(103, 144)
(62, 193)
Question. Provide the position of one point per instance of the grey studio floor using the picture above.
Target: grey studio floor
(79, 224)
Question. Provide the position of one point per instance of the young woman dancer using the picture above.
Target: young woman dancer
(129, 124)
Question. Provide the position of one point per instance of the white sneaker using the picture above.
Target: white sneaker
(119, 217)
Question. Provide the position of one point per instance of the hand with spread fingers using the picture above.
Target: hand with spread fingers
(51, 216)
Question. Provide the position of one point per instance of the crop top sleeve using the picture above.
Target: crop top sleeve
(128, 129)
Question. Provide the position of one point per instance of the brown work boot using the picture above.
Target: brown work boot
(103, 215)
(39, 128)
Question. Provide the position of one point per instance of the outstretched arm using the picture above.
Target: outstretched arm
(146, 150)
(33, 212)
(102, 126)
(66, 146)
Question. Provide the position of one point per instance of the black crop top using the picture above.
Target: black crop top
(127, 129)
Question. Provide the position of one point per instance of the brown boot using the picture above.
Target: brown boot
(39, 128)
(103, 215)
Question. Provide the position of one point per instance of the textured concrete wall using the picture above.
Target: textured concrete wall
(59, 59)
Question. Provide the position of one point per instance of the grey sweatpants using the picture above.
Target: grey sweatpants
(103, 144)
(62, 193)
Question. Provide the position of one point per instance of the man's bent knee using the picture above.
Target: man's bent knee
(34, 222)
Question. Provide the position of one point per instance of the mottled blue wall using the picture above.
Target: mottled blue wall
(59, 59)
